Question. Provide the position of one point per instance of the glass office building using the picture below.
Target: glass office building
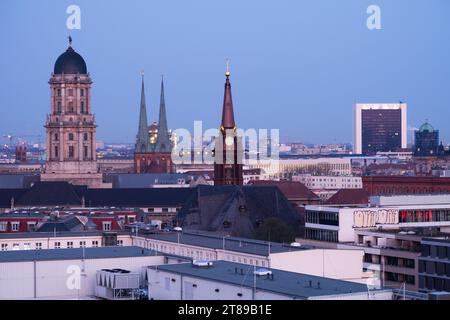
(380, 128)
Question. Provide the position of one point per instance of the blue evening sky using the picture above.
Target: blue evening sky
(296, 65)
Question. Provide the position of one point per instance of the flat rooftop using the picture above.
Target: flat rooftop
(405, 233)
(74, 254)
(444, 240)
(296, 285)
(213, 241)
(411, 199)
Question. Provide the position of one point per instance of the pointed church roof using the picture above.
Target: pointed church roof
(163, 139)
(142, 138)
(227, 111)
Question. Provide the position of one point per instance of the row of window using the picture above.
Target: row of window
(323, 217)
(199, 254)
(434, 284)
(424, 215)
(71, 152)
(321, 235)
(69, 92)
(71, 136)
(440, 252)
(15, 226)
(438, 268)
(400, 262)
(71, 107)
(396, 277)
(56, 245)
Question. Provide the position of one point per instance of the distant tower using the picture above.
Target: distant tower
(153, 157)
(71, 125)
(426, 141)
(228, 151)
(21, 153)
(379, 127)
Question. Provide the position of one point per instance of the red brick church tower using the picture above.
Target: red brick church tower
(228, 152)
(157, 157)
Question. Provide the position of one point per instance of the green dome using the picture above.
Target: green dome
(426, 127)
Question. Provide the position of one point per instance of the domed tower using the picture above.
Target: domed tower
(426, 141)
(70, 125)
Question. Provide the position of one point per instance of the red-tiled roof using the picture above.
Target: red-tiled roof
(291, 189)
(349, 196)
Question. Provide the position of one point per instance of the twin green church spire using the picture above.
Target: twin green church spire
(163, 143)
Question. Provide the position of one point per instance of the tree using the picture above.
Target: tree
(276, 230)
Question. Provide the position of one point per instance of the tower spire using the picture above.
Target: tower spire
(142, 138)
(227, 110)
(228, 149)
(162, 140)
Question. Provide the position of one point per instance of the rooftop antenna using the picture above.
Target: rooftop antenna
(178, 242)
(254, 281)
(227, 72)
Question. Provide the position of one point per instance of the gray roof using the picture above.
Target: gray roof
(17, 181)
(74, 254)
(146, 180)
(236, 210)
(209, 240)
(295, 285)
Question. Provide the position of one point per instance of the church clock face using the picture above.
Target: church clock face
(229, 141)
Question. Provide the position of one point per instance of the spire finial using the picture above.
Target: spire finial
(70, 40)
(227, 73)
(142, 73)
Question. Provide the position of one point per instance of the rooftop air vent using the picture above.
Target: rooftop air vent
(262, 272)
(202, 263)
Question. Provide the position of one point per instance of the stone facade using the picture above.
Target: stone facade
(70, 125)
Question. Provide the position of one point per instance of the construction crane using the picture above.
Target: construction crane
(10, 137)
(23, 139)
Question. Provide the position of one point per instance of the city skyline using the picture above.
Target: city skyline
(116, 53)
